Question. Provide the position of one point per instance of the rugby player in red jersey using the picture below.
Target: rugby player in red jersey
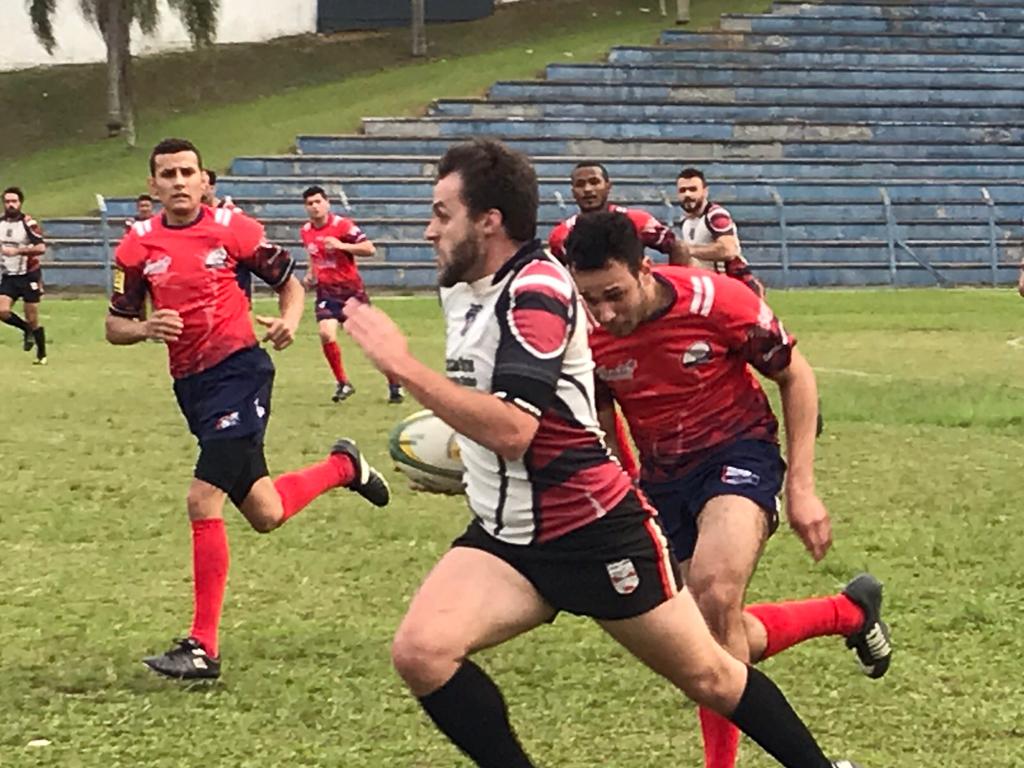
(334, 243)
(557, 526)
(185, 261)
(591, 188)
(675, 349)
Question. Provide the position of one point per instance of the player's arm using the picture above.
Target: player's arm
(281, 330)
(725, 248)
(124, 323)
(353, 241)
(768, 348)
(606, 418)
(276, 267)
(494, 423)
(36, 245)
(1020, 279)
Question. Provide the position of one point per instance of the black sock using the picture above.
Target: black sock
(470, 710)
(17, 322)
(40, 337)
(766, 717)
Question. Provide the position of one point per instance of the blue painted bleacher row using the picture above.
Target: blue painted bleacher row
(830, 108)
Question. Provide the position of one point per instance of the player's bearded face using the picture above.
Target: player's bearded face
(459, 258)
(692, 194)
(11, 205)
(179, 184)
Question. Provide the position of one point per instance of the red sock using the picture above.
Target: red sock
(209, 577)
(298, 488)
(787, 624)
(721, 739)
(333, 354)
(621, 436)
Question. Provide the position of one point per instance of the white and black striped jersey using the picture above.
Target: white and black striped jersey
(19, 231)
(521, 334)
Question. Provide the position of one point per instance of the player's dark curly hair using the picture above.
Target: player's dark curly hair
(312, 191)
(172, 147)
(495, 177)
(15, 191)
(692, 173)
(601, 237)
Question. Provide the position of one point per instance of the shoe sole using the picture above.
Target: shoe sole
(866, 592)
(366, 472)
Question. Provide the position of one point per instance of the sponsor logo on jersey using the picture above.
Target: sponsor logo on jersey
(471, 314)
(621, 372)
(157, 266)
(624, 577)
(698, 354)
(217, 258)
(739, 476)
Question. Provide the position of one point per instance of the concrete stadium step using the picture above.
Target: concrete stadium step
(734, 76)
(337, 169)
(482, 108)
(806, 24)
(965, 11)
(555, 90)
(814, 41)
(906, 5)
(815, 58)
(894, 132)
(616, 150)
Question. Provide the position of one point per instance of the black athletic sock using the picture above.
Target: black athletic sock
(17, 322)
(40, 337)
(470, 710)
(766, 717)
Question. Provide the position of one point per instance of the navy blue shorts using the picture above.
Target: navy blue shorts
(331, 305)
(753, 469)
(230, 400)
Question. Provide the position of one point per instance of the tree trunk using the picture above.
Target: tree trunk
(127, 93)
(419, 28)
(111, 36)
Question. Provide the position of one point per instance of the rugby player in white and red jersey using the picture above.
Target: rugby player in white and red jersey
(557, 525)
(676, 348)
(709, 236)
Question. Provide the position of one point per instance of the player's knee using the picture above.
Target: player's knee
(199, 506)
(721, 604)
(265, 524)
(422, 658)
(714, 685)
(326, 337)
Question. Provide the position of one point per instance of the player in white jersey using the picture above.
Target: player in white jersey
(709, 234)
(557, 524)
(21, 277)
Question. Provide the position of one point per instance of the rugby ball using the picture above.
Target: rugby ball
(424, 449)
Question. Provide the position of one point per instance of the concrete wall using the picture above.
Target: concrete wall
(338, 15)
(79, 42)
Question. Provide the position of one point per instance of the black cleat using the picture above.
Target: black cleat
(395, 396)
(186, 660)
(844, 764)
(368, 483)
(343, 391)
(28, 340)
(873, 643)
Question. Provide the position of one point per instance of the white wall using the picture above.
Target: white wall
(78, 41)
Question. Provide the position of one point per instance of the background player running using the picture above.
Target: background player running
(185, 260)
(21, 276)
(334, 243)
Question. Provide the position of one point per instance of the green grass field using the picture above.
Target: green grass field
(920, 466)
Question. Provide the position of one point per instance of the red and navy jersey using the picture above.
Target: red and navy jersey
(520, 334)
(333, 268)
(683, 378)
(652, 232)
(192, 270)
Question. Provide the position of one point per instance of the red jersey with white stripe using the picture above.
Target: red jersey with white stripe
(333, 268)
(653, 234)
(521, 335)
(683, 378)
(192, 270)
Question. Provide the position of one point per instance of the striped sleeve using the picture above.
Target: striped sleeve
(536, 315)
